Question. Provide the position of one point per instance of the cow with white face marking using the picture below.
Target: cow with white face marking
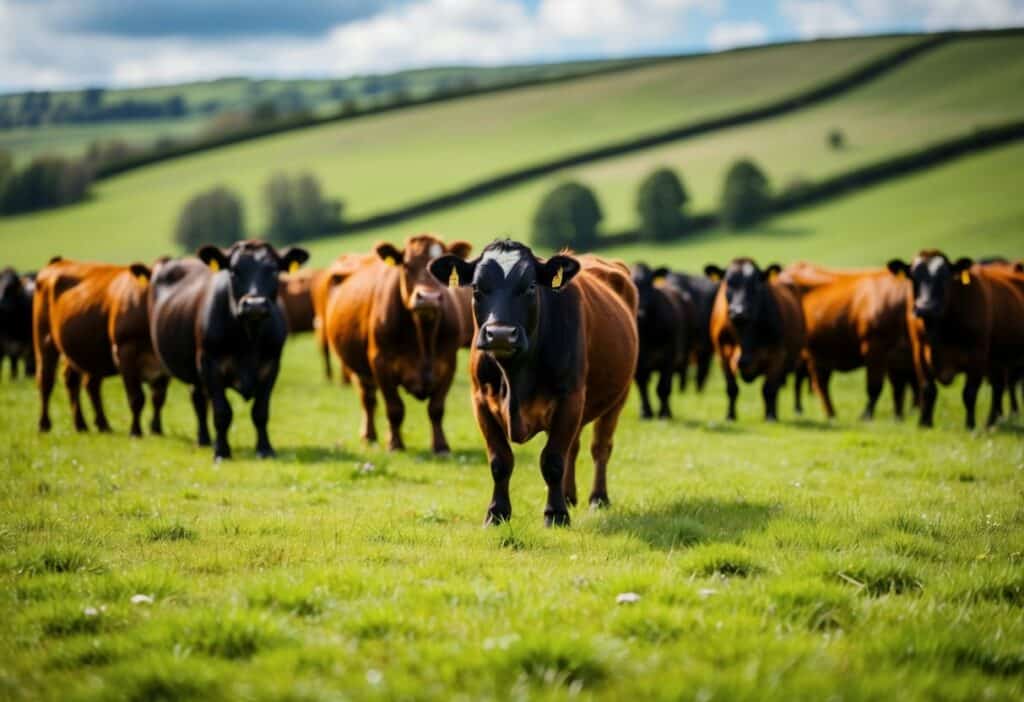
(394, 326)
(757, 327)
(555, 348)
(963, 317)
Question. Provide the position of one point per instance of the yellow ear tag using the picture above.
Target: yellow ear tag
(965, 277)
(556, 282)
(772, 276)
(214, 266)
(453, 279)
(389, 260)
(659, 280)
(714, 277)
(293, 266)
(142, 278)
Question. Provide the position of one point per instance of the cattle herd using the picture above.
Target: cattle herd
(554, 343)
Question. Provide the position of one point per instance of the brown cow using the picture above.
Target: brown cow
(757, 327)
(854, 318)
(393, 325)
(94, 315)
(297, 300)
(555, 349)
(963, 318)
(323, 284)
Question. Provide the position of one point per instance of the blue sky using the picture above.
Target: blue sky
(68, 43)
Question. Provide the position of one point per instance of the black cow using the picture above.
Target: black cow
(701, 291)
(663, 320)
(16, 320)
(215, 324)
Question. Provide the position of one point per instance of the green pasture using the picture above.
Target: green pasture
(395, 158)
(798, 560)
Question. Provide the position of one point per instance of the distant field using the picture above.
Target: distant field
(391, 159)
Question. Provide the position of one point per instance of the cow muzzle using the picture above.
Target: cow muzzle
(425, 302)
(253, 307)
(927, 311)
(502, 340)
(738, 315)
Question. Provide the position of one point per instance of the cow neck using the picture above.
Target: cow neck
(958, 325)
(426, 332)
(767, 327)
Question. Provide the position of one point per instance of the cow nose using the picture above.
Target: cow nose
(924, 311)
(426, 298)
(738, 314)
(500, 337)
(254, 306)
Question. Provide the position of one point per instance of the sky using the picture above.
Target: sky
(52, 44)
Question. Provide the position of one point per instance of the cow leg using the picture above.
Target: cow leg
(435, 411)
(368, 396)
(1013, 379)
(30, 364)
(643, 378)
(929, 393)
(569, 476)
(820, 377)
(200, 405)
(14, 367)
(92, 387)
(222, 413)
(682, 370)
(325, 351)
(732, 389)
(898, 381)
(396, 415)
(46, 376)
(665, 390)
(875, 383)
(132, 388)
(970, 396)
(73, 383)
(158, 396)
(703, 369)
(800, 375)
(601, 452)
(770, 393)
(501, 460)
(260, 414)
(997, 379)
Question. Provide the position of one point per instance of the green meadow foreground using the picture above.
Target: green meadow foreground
(798, 560)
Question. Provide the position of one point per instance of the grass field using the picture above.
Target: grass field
(803, 560)
(394, 158)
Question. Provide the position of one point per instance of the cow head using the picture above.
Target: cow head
(645, 280)
(509, 283)
(252, 268)
(421, 293)
(933, 276)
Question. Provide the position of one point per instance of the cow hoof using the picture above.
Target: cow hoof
(220, 454)
(45, 425)
(81, 428)
(204, 441)
(442, 451)
(105, 429)
(266, 453)
(570, 499)
(560, 519)
(599, 501)
(156, 430)
(135, 433)
(497, 516)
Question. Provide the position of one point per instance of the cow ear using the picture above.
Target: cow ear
(898, 268)
(772, 272)
(962, 270)
(557, 271)
(460, 248)
(141, 272)
(292, 257)
(214, 256)
(452, 270)
(389, 253)
(1019, 266)
(713, 272)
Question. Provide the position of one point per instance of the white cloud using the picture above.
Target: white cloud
(966, 14)
(820, 18)
(726, 35)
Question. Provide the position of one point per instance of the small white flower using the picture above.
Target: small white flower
(91, 612)
(374, 676)
(142, 599)
(706, 592)
(627, 598)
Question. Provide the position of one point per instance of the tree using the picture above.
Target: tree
(567, 218)
(836, 139)
(47, 181)
(211, 217)
(660, 201)
(746, 196)
(297, 208)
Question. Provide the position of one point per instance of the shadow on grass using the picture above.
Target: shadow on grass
(469, 457)
(690, 521)
(316, 454)
(713, 426)
(813, 424)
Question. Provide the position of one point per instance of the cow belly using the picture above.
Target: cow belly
(87, 348)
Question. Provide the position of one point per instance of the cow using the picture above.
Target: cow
(555, 348)
(394, 326)
(854, 318)
(966, 318)
(95, 316)
(323, 284)
(701, 291)
(757, 327)
(664, 317)
(16, 321)
(297, 300)
(216, 324)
